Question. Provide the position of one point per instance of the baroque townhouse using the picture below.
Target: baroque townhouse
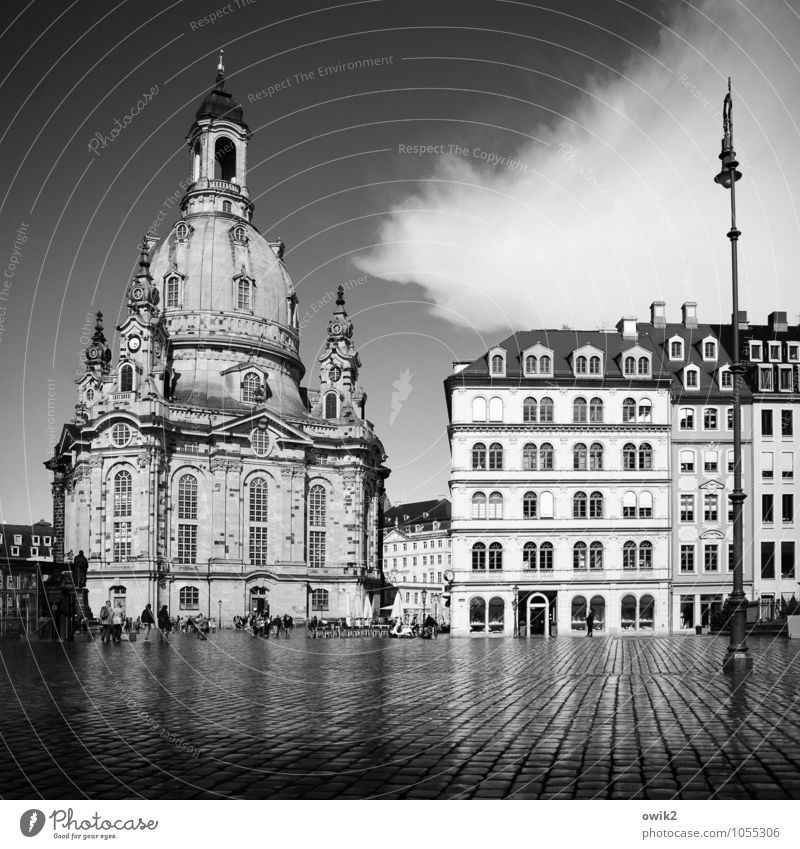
(702, 464)
(26, 552)
(772, 354)
(198, 471)
(416, 554)
(560, 485)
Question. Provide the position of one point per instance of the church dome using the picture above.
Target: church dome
(219, 103)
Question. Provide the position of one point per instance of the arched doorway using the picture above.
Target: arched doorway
(538, 616)
(259, 601)
(598, 606)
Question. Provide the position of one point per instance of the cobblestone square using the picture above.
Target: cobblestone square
(636, 718)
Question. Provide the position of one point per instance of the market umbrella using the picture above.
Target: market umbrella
(367, 608)
(397, 607)
(347, 610)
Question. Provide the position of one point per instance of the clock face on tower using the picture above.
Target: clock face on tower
(92, 353)
(336, 328)
(134, 343)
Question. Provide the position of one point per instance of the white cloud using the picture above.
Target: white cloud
(614, 205)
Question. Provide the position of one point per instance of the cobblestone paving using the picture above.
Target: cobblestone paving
(646, 718)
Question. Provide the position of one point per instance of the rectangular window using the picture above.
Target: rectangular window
(710, 461)
(787, 428)
(710, 419)
(774, 350)
(730, 462)
(765, 379)
(34, 540)
(767, 509)
(768, 560)
(767, 465)
(793, 348)
(122, 540)
(787, 465)
(787, 507)
(15, 551)
(687, 508)
(730, 509)
(755, 351)
(316, 549)
(785, 382)
(243, 295)
(687, 558)
(766, 422)
(687, 460)
(729, 418)
(711, 558)
(34, 551)
(187, 543)
(258, 545)
(731, 558)
(787, 559)
(711, 502)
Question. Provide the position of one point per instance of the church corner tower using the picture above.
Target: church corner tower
(198, 472)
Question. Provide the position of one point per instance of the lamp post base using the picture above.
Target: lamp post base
(737, 662)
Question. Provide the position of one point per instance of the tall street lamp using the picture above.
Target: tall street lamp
(737, 659)
(219, 618)
(424, 595)
(515, 605)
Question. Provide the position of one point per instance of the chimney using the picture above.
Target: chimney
(743, 323)
(689, 314)
(627, 327)
(658, 314)
(777, 322)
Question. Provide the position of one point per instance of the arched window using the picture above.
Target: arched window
(546, 457)
(251, 388)
(189, 598)
(629, 505)
(645, 411)
(594, 365)
(598, 606)
(529, 505)
(495, 409)
(182, 231)
(578, 613)
(596, 555)
(173, 294)
(647, 608)
(126, 378)
(546, 556)
(495, 506)
(579, 410)
(225, 160)
(579, 556)
(240, 234)
(579, 505)
(496, 613)
(687, 460)
(226, 206)
(645, 456)
(320, 600)
(644, 366)
(646, 555)
(495, 556)
(596, 410)
(187, 519)
(686, 418)
(529, 409)
(544, 364)
(629, 410)
(479, 455)
(529, 555)
(479, 505)
(317, 525)
(529, 457)
(546, 410)
(630, 365)
(123, 511)
(646, 505)
(477, 614)
(244, 300)
(710, 461)
(628, 456)
(495, 456)
(580, 365)
(331, 406)
(479, 409)
(629, 555)
(530, 364)
(676, 350)
(580, 456)
(627, 610)
(596, 457)
(90, 394)
(257, 520)
(596, 505)
(497, 364)
(479, 557)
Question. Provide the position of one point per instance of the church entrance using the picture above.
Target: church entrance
(259, 601)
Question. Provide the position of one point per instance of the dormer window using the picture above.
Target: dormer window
(594, 365)
(182, 231)
(251, 388)
(643, 367)
(497, 363)
(244, 294)
(537, 361)
(775, 351)
(17, 539)
(725, 378)
(531, 364)
(676, 348)
(755, 352)
(709, 349)
(630, 366)
(691, 378)
(793, 352)
(172, 291)
(581, 364)
(239, 234)
(765, 383)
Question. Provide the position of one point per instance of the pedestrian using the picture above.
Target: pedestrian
(117, 620)
(589, 623)
(148, 620)
(164, 624)
(105, 623)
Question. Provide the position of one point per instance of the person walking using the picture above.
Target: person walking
(164, 624)
(590, 623)
(117, 620)
(105, 623)
(148, 620)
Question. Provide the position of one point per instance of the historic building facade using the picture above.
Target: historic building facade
(198, 471)
(26, 552)
(416, 555)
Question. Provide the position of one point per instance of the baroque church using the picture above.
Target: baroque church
(198, 472)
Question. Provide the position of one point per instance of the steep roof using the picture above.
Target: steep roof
(419, 512)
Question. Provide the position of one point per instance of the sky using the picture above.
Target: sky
(497, 166)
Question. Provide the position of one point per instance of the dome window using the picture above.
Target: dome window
(121, 435)
(225, 160)
(173, 292)
(244, 294)
(251, 388)
(182, 232)
(239, 234)
(226, 206)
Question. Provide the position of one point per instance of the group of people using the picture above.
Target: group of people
(113, 621)
(261, 624)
